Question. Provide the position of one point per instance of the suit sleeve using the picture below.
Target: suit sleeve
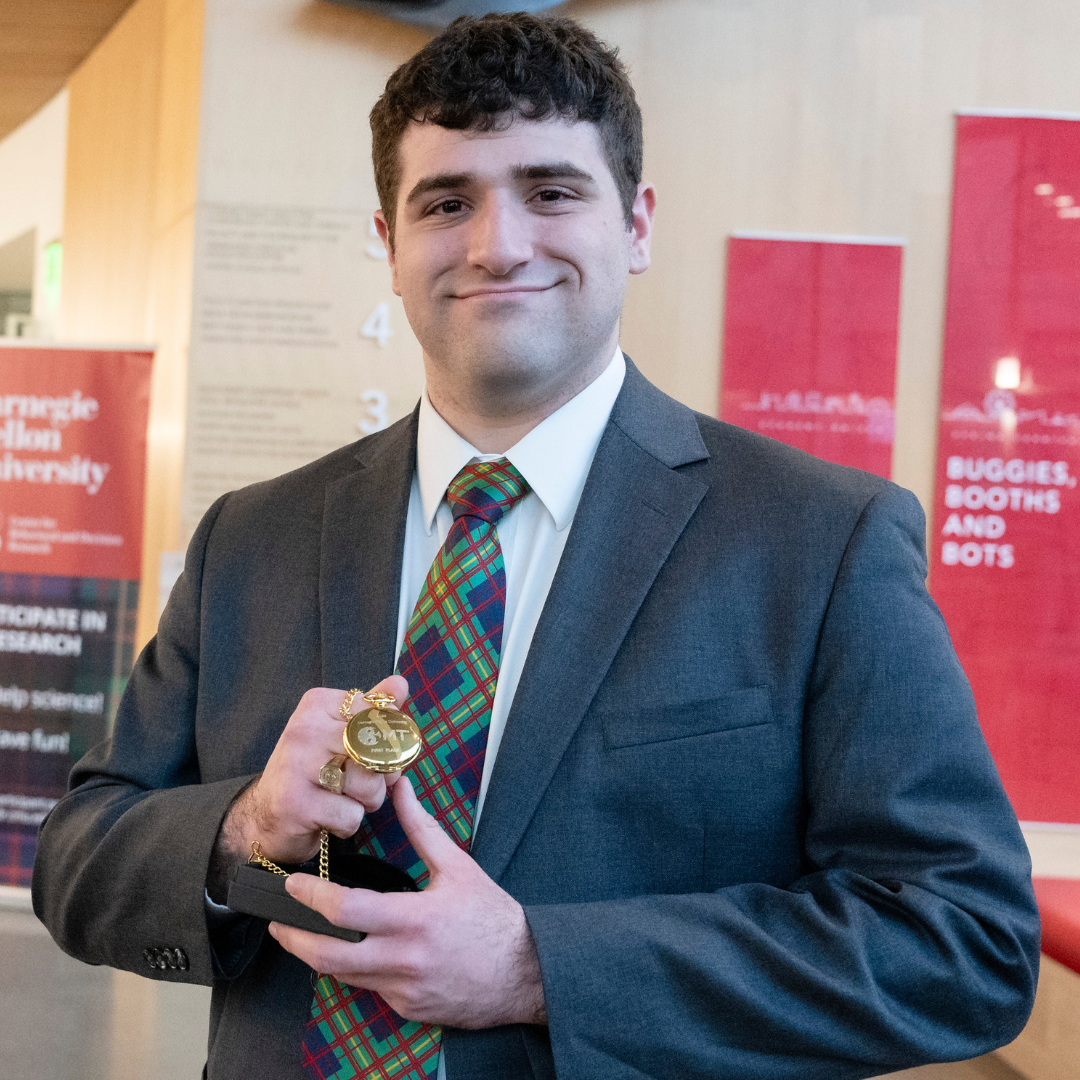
(122, 858)
(913, 935)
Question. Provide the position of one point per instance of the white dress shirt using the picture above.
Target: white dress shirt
(554, 458)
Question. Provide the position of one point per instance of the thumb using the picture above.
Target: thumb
(312, 891)
(394, 685)
(432, 844)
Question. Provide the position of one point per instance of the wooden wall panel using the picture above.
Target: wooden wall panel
(128, 228)
(109, 196)
(169, 308)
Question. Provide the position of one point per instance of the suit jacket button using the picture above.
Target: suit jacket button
(181, 959)
(170, 958)
(148, 956)
(159, 959)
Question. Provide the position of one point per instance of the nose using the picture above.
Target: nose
(500, 238)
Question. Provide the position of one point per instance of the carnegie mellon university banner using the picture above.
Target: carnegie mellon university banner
(810, 331)
(72, 464)
(1005, 542)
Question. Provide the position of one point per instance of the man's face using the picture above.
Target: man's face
(511, 253)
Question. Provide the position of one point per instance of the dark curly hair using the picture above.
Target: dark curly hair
(480, 73)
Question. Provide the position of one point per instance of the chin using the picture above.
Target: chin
(497, 353)
(507, 371)
(512, 355)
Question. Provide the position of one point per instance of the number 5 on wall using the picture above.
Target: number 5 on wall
(377, 325)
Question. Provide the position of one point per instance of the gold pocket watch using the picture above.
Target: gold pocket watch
(380, 738)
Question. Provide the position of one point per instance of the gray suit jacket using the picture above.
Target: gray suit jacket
(742, 791)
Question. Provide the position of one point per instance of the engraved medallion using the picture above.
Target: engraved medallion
(380, 738)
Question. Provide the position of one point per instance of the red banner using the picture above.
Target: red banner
(73, 460)
(72, 463)
(810, 328)
(1005, 564)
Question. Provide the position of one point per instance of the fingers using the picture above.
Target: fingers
(396, 686)
(289, 806)
(373, 964)
(367, 787)
(356, 909)
(337, 815)
(364, 786)
(318, 951)
(317, 724)
(438, 851)
(313, 733)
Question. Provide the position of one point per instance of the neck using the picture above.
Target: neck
(492, 425)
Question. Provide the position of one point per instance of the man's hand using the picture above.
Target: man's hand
(459, 953)
(286, 808)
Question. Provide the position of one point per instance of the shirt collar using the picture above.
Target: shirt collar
(554, 458)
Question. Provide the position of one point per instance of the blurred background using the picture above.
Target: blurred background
(195, 176)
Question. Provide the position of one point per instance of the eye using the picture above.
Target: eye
(448, 206)
(550, 195)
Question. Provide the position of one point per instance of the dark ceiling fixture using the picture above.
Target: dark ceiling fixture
(440, 13)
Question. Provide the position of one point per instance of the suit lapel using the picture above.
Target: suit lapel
(632, 511)
(360, 566)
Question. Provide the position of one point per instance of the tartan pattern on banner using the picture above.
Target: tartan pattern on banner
(450, 657)
(17, 848)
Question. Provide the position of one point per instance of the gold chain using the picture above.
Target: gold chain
(324, 857)
(374, 697)
(258, 857)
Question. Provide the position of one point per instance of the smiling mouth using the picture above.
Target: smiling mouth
(508, 291)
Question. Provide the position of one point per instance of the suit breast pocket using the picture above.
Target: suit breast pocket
(664, 721)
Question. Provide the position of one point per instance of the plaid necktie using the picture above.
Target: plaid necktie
(451, 658)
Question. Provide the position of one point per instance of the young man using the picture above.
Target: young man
(703, 791)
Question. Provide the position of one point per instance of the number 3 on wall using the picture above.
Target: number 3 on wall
(375, 405)
(378, 324)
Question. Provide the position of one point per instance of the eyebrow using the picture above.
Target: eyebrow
(438, 183)
(554, 170)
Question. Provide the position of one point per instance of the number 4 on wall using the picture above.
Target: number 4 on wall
(377, 325)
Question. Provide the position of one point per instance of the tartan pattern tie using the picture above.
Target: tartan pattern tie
(450, 657)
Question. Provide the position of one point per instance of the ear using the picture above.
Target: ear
(383, 230)
(641, 228)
